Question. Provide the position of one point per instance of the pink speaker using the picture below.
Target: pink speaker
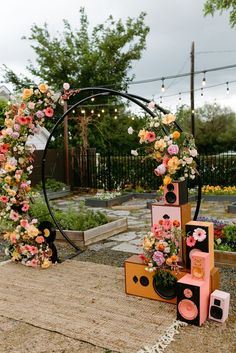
(219, 305)
(176, 193)
(200, 265)
(192, 300)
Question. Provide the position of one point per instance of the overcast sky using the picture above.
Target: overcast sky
(174, 25)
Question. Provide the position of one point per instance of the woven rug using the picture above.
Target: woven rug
(84, 301)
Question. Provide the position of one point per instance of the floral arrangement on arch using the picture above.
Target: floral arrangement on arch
(172, 149)
(26, 243)
(161, 246)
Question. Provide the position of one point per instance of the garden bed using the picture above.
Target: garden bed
(118, 200)
(90, 236)
(225, 258)
(232, 208)
(52, 195)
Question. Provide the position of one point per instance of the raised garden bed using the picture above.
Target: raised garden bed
(93, 202)
(232, 208)
(52, 195)
(87, 237)
(225, 258)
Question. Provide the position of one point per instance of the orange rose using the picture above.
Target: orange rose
(43, 87)
(176, 135)
(167, 180)
(27, 93)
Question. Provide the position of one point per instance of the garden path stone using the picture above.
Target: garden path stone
(124, 236)
(127, 247)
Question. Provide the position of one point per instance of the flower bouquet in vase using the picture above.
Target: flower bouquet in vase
(160, 254)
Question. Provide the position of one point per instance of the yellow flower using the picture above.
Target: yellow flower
(11, 192)
(158, 156)
(46, 263)
(8, 122)
(173, 164)
(8, 179)
(32, 231)
(167, 180)
(160, 144)
(142, 135)
(46, 232)
(148, 243)
(9, 167)
(27, 93)
(43, 87)
(168, 119)
(16, 255)
(176, 135)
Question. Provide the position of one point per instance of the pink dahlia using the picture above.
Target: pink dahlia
(199, 234)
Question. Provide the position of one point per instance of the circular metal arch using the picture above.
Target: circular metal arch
(100, 92)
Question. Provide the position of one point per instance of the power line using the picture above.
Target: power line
(181, 75)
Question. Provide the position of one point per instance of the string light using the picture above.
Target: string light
(73, 111)
(92, 99)
(103, 111)
(204, 79)
(215, 105)
(92, 111)
(115, 110)
(202, 92)
(163, 85)
(180, 96)
(227, 87)
(161, 99)
(99, 115)
(83, 111)
(132, 117)
(115, 117)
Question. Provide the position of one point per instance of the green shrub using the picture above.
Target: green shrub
(51, 184)
(82, 219)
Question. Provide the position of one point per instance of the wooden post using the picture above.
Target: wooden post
(66, 146)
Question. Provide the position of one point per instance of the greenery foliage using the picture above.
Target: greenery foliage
(82, 219)
(52, 185)
(212, 6)
(164, 278)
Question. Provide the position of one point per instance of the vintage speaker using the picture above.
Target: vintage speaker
(200, 266)
(192, 300)
(206, 245)
(219, 305)
(176, 193)
(180, 213)
(139, 282)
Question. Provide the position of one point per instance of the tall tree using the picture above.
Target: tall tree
(212, 6)
(102, 58)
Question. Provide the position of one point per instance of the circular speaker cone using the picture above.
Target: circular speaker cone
(187, 309)
(144, 281)
(170, 197)
(216, 312)
(165, 292)
(170, 187)
(188, 293)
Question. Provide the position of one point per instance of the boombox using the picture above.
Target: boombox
(140, 282)
(203, 231)
(200, 266)
(219, 306)
(176, 193)
(192, 300)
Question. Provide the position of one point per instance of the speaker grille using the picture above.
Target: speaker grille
(216, 312)
(170, 197)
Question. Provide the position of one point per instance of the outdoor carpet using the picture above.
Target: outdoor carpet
(84, 301)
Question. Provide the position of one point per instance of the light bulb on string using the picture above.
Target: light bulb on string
(204, 80)
(115, 117)
(227, 87)
(103, 111)
(92, 111)
(73, 111)
(180, 97)
(163, 85)
(115, 110)
(99, 115)
(215, 105)
(161, 99)
(201, 92)
(92, 99)
(83, 111)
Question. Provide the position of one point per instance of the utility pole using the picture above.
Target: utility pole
(192, 90)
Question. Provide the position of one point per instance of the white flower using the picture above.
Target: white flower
(151, 123)
(130, 130)
(156, 124)
(134, 152)
(66, 86)
(189, 160)
(193, 152)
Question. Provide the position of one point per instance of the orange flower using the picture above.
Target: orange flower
(167, 180)
(176, 135)
(43, 87)
(39, 239)
(27, 93)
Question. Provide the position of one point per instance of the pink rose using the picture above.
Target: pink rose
(24, 223)
(173, 149)
(158, 258)
(160, 170)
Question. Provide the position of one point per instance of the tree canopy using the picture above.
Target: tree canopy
(212, 6)
(102, 58)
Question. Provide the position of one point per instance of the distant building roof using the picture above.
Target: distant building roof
(5, 93)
